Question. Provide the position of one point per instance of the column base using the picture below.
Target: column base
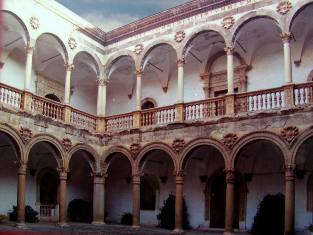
(135, 227)
(21, 225)
(98, 223)
(63, 224)
(178, 231)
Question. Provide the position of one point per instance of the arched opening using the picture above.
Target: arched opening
(9, 153)
(121, 92)
(261, 163)
(53, 97)
(148, 103)
(202, 164)
(80, 187)
(118, 188)
(157, 183)
(43, 162)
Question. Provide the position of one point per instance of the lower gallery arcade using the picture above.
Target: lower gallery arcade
(222, 185)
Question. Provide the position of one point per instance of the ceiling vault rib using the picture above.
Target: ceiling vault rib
(155, 67)
(14, 41)
(46, 60)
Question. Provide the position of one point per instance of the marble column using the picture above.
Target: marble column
(230, 69)
(180, 81)
(21, 187)
(98, 198)
(289, 200)
(179, 200)
(230, 200)
(139, 74)
(62, 197)
(69, 69)
(29, 67)
(136, 201)
(102, 97)
(286, 37)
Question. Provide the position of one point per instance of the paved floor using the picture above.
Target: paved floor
(87, 229)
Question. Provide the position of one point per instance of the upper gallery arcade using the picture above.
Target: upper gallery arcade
(196, 88)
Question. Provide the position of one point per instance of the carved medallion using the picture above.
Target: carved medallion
(179, 36)
(67, 144)
(284, 7)
(290, 133)
(72, 43)
(178, 145)
(229, 140)
(228, 22)
(26, 134)
(34, 22)
(134, 149)
(138, 48)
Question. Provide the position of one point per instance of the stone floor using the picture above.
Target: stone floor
(87, 229)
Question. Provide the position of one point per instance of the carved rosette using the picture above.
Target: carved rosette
(72, 43)
(26, 134)
(134, 149)
(180, 36)
(290, 133)
(138, 48)
(229, 140)
(178, 145)
(228, 22)
(67, 144)
(34, 22)
(284, 7)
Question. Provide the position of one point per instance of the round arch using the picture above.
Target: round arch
(268, 136)
(51, 140)
(202, 142)
(95, 59)
(27, 34)
(125, 153)
(117, 56)
(65, 54)
(296, 10)
(242, 21)
(210, 28)
(149, 48)
(306, 135)
(92, 158)
(156, 146)
(15, 136)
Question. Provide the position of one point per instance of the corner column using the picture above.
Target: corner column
(230, 69)
(29, 67)
(289, 200)
(139, 74)
(136, 201)
(179, 200)
(98, 198)
(62, 197)
(180, 82)
(230, 200)
(21, 186)
(69, 69)
(286, 38)
(102, 96)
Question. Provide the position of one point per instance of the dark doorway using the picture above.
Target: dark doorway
(49, 188)
(218, 202)
(147, 105)
(53, 97)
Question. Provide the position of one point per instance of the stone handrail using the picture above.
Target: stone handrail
(203, 109)
(119, 122)
(257, 101)
(10, 96)
(158, 116)
(83, 120)
(303, 94)
(47, 108)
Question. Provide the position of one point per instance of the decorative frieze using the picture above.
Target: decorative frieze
(228, 22)
(138, 48)
(67, 144)
(284, 7)
(26, 134)
(290, 133)
(134, 149)
(180, 36)
(178, 145)
(72, 43)
(229, 140)
(34, 22)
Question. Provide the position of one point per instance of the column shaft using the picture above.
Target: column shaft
(230, 69)
(179, 201)
(69, 68)
(136, 201)
(104, 99)
(62, 198)
(21, 186)
(230, 200)
(29, 67)
(138, 90)
(286, 37)
(289, 201)
(180, 81)
(98, 200)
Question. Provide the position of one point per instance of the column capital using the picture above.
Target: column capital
(286, 37)
(69, 67)
(102, 82)
(230, 176)
(229, 50)
(21, 167)
(179, 176)
(290, 172)
(30, 49)
(136, 178)
(181, 62)
(139, 72)
(62, 173)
